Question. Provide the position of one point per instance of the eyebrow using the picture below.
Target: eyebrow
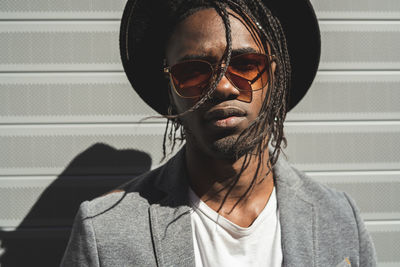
(212, 59)
(244, 50)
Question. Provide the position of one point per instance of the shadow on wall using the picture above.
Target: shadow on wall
(41, 238)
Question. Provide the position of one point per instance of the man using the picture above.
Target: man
(225, 73)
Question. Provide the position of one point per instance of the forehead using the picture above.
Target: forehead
(203, 34)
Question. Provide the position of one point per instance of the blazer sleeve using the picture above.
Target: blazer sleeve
(367, 250)
(82, 248)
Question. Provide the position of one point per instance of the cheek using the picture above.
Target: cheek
(182, 104)
(258, 100)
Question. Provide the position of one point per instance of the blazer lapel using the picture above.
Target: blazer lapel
(172, 235)
(297, 218)
(170, 218)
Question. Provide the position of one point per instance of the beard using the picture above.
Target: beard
(225, 147)
(228, 146)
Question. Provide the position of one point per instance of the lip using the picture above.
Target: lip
(226, 117)
(223, 113)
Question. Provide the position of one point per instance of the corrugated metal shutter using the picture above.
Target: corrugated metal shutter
(70, 125)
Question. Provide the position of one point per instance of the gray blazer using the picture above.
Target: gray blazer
(147, 223)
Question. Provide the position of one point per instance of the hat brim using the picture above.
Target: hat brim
(142, 44)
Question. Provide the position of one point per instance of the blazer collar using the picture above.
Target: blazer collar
(171, 225)
(170, 218)
(296, 215)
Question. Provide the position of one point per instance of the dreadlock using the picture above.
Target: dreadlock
(268, 126)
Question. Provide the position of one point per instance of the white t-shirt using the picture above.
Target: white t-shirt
(219, 242)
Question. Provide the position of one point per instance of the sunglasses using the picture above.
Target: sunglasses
(247, 72)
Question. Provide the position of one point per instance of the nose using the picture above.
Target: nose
(225, 90)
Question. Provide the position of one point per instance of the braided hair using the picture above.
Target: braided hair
(268, 126)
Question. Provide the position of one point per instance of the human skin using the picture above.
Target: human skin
(210, 138)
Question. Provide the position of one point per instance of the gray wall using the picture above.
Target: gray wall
(70, 123)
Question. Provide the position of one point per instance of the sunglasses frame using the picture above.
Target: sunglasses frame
(214, 68)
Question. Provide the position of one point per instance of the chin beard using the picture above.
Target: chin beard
(224, 147)
(229, 145)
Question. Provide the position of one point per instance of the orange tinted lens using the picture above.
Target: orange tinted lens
(246, 93)
(191, 77)
(251, 67)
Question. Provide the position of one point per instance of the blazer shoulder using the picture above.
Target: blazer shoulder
(314, 188)
(106, 228)
(139, 192)
(299, 183)
(339, 218)
(323, 196)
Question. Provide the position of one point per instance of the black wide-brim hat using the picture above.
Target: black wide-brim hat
(145, 27)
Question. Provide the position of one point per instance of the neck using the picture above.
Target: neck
(212, 178)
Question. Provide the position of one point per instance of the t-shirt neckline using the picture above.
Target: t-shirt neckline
(198, 205)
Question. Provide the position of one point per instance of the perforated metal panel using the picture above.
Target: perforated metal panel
(360, 45)
(61, 6)
(357, 9)
(351, 96)
(48, 150)
(377, 194)
(61, 98)
(61, 9)
(386, 237)
(59, 46)
(344, 146)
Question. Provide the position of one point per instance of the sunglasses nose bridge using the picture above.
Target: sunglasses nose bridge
(226, 89)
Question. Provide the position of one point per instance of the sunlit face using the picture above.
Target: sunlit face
(214, 128)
